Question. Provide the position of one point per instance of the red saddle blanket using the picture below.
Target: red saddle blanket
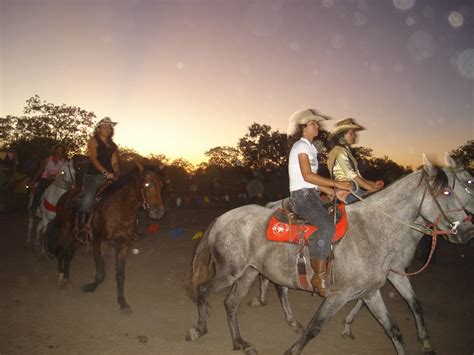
(279, 231)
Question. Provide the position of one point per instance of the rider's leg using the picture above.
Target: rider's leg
(307, 204)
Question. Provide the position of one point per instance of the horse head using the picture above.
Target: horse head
(66, 176)
(150, 185)
(451, 205)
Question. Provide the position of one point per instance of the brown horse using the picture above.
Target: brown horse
(113, 219)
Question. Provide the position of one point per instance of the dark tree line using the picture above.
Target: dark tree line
(261, 154)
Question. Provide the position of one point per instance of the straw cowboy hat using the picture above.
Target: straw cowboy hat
(303, 117)
(344, 126)
(105, 120)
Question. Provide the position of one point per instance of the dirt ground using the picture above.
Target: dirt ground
(38, 318)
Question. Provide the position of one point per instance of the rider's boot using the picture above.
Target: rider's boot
(319, 278)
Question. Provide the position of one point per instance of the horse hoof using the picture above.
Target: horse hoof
(256, 303)
(297, 327)
(126, 310)
(250, 350)
(347, 335)
(88, 288)
(64, 284)
(193, 334)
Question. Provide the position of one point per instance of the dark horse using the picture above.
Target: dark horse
(113, 219)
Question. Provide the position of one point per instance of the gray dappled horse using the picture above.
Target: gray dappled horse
(46, 210)
(234, 250)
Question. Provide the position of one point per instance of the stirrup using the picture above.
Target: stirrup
(87, 235)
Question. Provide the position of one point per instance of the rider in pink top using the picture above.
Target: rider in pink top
(47, 172)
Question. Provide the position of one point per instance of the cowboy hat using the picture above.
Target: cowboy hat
(303, 117)
(105, 120)
(344, 126)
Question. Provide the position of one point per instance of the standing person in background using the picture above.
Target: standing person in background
(305, 188)
(103, 166)
(47, 172)
(341, 163)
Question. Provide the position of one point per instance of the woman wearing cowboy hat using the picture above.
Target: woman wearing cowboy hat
(47, 171)
(341, 163)
(305, 187)
(103, 166)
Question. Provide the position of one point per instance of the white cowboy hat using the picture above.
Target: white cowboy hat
(344, 126)
(105, 120)
(303, 117)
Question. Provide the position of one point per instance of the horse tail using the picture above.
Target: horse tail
(203, 265)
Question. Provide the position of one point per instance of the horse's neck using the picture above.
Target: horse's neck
(399, 200)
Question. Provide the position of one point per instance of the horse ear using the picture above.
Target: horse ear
(140, 166)
(427, 166)
(450, 162)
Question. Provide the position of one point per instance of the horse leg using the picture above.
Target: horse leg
(29, 241)
(403, 286)
(331, 304)
(120, 259)
(232, 302)
(99, 252)
(214, 284)
(376, 305)
(261, 300)
(64, 264)
(347, 332)
(283, 296)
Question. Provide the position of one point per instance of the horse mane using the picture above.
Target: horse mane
(440, 181)
(128, 178)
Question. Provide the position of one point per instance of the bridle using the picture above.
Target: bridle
(431, 228)
(67, 184)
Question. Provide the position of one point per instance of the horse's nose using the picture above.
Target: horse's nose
(156, 212)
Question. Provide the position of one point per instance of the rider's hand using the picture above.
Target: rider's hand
(379, 185)
(109, 175)
(342, 195)
(343, 185)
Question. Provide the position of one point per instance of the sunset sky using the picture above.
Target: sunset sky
(182, 77)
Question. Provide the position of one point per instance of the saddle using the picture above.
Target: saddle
(286, 226)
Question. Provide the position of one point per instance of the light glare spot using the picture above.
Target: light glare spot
(410, 21)
(456, 19)
(428, 12)
(421, 46)
(359, 19)
(338, 41)
(328, 3)
(180, 65)
(465, 63)
(404, 4)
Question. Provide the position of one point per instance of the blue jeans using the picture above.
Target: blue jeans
(351, 198)
(307, 204)
(91, 185)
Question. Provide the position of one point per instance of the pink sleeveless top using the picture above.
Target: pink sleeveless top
(51, 169)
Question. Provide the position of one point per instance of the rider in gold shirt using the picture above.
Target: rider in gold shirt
(341, 163)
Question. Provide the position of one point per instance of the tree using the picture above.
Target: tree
(465, 155)
(223, 157)
(69, 125)
(263, 149)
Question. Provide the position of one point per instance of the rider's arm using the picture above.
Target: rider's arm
(351, 174)
(115, 163)
(40, 169)
(317, 179)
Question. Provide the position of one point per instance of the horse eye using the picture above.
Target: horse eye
(446, 192)
(470, 181)
(147, 184)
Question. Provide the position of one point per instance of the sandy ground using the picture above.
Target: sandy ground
(38, 318)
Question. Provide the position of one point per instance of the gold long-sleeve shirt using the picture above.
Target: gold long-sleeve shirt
(344, 168)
